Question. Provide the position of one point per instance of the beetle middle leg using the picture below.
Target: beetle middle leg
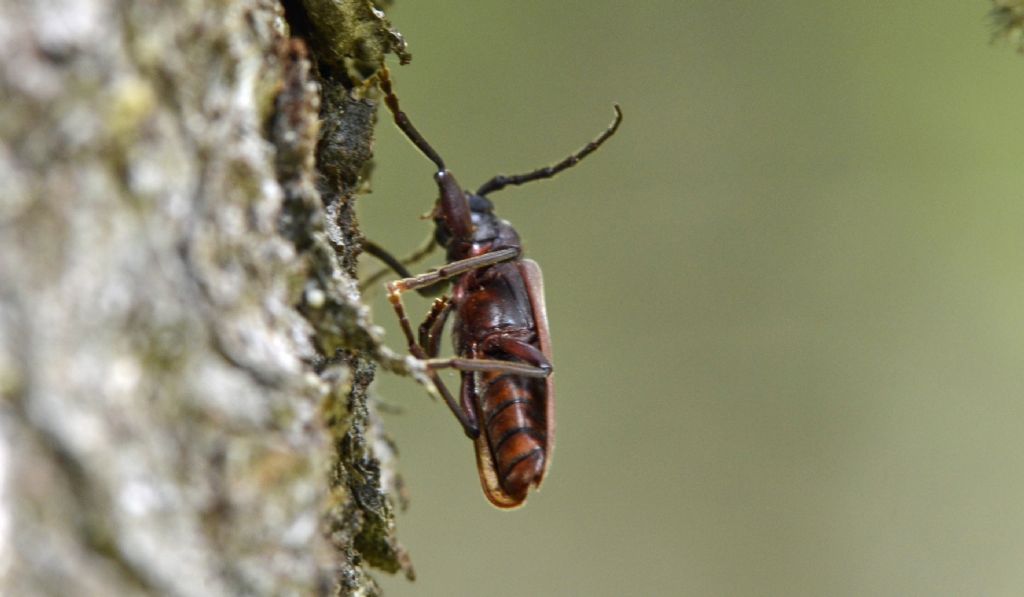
(427, 347)
(433, 325)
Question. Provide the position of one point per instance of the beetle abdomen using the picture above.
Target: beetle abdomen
(513, 417)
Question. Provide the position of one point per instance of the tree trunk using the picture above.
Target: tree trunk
(184, 356)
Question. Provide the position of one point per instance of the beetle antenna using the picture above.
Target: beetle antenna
(403, 121)
(501, 181)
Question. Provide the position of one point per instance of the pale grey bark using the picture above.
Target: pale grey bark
(183, 353)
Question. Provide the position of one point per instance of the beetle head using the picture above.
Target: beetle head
(481, 217)
(451, 213)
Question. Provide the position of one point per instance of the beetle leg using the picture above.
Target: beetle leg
(430, 329)
(468, 421)
(467, 391)
(450, 270)
(489, 365)
(395, 289)
(521, 350)
(467, 394)
(395, 264)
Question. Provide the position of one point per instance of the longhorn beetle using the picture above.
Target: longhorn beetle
(502, 346)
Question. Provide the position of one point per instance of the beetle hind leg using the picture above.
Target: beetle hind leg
(519, 349)
(490, 365)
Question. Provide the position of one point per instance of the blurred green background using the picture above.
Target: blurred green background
(786, 299)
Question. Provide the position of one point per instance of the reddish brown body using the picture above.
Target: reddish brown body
(515, 413)
(500, 331)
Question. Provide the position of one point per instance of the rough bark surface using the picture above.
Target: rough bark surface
(184, 356)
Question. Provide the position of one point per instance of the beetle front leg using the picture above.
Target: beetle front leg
(450, 270)
(395, 264)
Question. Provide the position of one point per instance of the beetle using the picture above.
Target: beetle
(500, 333)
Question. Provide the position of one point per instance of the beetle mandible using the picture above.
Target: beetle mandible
(500, 333)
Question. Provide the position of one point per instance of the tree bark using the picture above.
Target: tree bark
(184, 355)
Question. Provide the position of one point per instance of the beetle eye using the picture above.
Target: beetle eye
(441, 233)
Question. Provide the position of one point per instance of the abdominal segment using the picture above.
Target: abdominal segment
(512, 416)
